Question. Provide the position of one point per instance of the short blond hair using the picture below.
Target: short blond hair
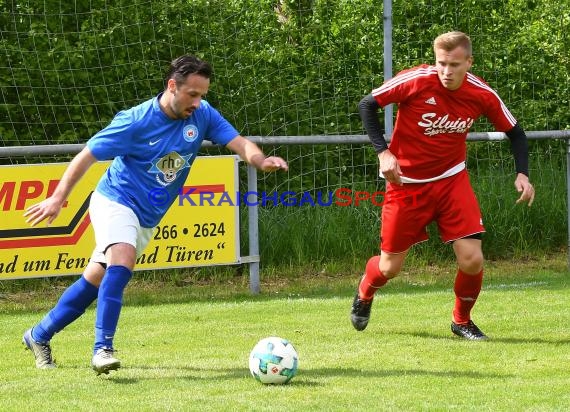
(453, 39)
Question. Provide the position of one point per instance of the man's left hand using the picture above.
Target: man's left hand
(525, 188)
(272, 163)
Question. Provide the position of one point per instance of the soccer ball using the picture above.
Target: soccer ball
(273, 360)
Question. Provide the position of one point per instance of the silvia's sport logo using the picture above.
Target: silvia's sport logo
(435, 125)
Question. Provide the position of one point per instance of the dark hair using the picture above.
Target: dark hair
(183, 66)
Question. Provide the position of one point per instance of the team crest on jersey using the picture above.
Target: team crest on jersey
(168, 167)
(190, 133)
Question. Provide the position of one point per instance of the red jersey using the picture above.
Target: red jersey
(432, 122)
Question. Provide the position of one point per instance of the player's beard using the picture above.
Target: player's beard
(185, 113)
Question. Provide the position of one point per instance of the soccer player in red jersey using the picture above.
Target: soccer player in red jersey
(437, 104)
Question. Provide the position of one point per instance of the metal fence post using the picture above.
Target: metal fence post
(388, 110)
(568, 197)
(253, 230)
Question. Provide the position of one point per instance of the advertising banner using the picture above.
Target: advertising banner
(200, 228)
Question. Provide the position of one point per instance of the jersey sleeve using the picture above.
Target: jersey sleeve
(220, 131)
(493, 107)
(499, 115)
(400, 87)
(115, 139)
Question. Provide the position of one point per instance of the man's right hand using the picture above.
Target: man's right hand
(47, 209)
(389, 167)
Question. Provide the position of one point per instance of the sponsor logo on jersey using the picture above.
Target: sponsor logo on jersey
(434, 124)
(167, 167)
(431, 101)
(190, 133)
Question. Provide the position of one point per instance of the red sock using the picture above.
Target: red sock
(372, 280)
(466, 288)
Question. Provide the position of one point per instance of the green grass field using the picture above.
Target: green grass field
(185, 347)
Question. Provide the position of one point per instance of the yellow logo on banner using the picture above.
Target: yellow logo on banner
(199, 229)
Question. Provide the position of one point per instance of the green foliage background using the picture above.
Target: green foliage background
(296, 67)
(282, 67)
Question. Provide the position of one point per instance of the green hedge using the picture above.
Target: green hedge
(286, 67)
(282, 67)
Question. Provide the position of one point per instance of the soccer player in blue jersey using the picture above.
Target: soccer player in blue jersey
(153, 146)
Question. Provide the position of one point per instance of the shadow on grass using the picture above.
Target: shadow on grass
(305, 377)
(426, 335)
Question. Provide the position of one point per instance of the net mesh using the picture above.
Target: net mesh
(282, 68)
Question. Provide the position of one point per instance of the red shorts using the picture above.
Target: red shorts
(410, 208)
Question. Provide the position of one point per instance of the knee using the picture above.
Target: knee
(390, 268)
(471, 263)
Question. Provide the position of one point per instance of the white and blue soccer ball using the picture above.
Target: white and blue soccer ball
(273, 360)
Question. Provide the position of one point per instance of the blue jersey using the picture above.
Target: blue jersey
(152, 155)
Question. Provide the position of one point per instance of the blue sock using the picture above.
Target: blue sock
(71, 305)
(109, 305)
